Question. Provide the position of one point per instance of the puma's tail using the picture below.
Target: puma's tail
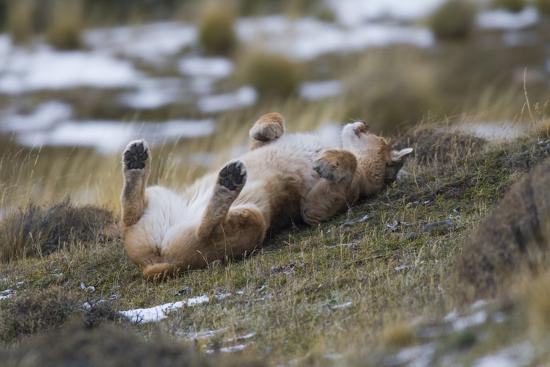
(159, 271)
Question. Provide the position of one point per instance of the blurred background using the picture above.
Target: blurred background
(81, 78)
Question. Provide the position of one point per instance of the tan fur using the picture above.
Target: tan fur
(279, 182)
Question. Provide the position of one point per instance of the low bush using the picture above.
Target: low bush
(511, 5)
(271, 74)
(38, 231)
(66, 24)
(454, 20)
(516, 235)
(217, 29)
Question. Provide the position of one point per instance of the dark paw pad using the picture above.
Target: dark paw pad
(233, 176)
(136, 155)
(325, 170)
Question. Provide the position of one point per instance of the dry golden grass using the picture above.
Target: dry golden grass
(20, 21)
(217, 28)
(65, 25)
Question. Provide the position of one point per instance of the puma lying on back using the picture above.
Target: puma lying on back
(282, 179)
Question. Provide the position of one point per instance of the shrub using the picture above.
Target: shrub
(516, 235)
(543, 6)
(390, 90)
(28, 314)
(454, 20)
(65, 25)
(20, 20)
(217, 29)
(110, 346)
(39, 231)
(512, 5)
(272, 75)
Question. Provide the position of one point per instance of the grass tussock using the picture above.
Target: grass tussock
(39, 231)
(217, 28)
(25, 314)
(515, 236)
(273, 75)
(20, 21)
(511, 5)
(65, 27)
(454, 20)
(543, 6)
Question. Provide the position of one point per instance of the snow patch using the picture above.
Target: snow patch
(214, 67)
(243, 97)
(151, 42)
(308, 38)
(514, 356)
(318, 90)
(159, 313)
(354, 12)
(492, 131)
(43, 117)
(153, 93)
(111, 136)
(500, 19)
(5, 294)
(42, 68)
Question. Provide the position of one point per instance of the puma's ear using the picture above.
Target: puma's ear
(399, 156)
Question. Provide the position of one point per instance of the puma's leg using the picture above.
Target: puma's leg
(268, 128)
(243, 230)
(231, 180)
(136, 161)
(334, 190)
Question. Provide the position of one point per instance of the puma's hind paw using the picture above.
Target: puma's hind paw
(136, 155)
(233, 176)
(336, 165)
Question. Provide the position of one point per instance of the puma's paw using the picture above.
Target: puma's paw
(335, 165)
(356, 128)
(233, 176)
(136, 155)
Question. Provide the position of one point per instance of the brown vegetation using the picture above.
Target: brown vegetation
(39, 231)
(516, 235)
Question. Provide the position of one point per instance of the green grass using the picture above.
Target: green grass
(290, 292)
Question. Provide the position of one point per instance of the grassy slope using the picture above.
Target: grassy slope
(288, 292)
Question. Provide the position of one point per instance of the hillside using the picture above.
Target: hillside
(378, 285)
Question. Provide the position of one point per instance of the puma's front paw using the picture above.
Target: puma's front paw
(136, 155)
(336, 165)
(233, 176)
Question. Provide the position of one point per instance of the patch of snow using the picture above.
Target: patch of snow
(500, 19)
(204, 334)
(242, 337)
(354, 12)
(213, 67)
(466, 322)
(153, 93)
(43, 117)
(308, 38)
(243, 97)
(417, 356)
(515, 356)
(480, 303)
(42, 68)
(111, 136)
(152, 42)
(159, 313)
(5, 294)
(231, 349)
(342, 306)
(317, 90)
